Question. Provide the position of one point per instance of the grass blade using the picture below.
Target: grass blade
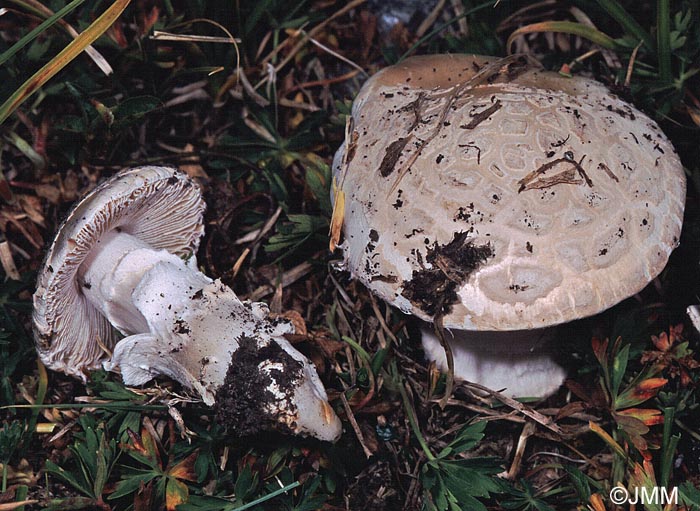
(49, 22)
(627, 22)
(566, 27)
(40, 10)
(442, 27)
(663, 39)
(70, 52)
(668, 447)
(267, 497)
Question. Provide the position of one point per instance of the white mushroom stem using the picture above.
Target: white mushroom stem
(517, 363)
(182, 324)
(694, 315)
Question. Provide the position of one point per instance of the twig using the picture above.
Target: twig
(337, 55)
(556, 455)
(288, 277)
(630, 66)
(430, 19)
(685, 428)
(355, 426)
(380, 318)
(309, 34)
(266, 228)
(520, 407)
(297, 104)
(526, 433)
(8, 262)
(341, 291)
(327, 81)
(458, 8)
(511, 416)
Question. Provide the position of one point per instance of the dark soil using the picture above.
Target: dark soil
(243, 401)
(434, 290)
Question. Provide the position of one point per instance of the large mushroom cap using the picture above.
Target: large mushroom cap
(158, 205)
(501, 196)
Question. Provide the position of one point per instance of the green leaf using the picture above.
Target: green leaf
(26, 148)
(445, 452)
(134, 109)
(463, 493)
(689, 495)
(103, 462)
(318, 179)
(458, 484)
(618, 369)
(116, 391)
(298, 230)
(476, 473)
(246, 484)
(468, 437)
(70, 123)
(176, 493)
(276, 460)
(440, 495)
(132, 482)
(253, 17)
(310, 499)
(663, 39)
(580, 482)
(525, 498)
(68, 477)
(199, 503)
(10, 437)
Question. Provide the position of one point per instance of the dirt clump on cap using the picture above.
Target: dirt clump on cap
(434, 290)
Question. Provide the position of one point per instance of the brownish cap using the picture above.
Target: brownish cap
(160, 206)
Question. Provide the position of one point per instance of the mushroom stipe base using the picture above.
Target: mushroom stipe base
(244, 402)
(519, 364)
(121, 262)
(497, 196)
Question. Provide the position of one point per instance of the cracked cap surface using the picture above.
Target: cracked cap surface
(502, 196)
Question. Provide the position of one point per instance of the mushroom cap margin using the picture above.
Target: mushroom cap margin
(503, 293)
(159, 205)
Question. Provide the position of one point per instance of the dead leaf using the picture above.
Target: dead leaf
(185, 469)
(571, 409)
(148, 20)
(48, 192)
(143, 499)
(296, 320)
(192, 167)
(176, 493)
(32, 207)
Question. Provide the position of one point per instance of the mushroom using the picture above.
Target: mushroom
(502, 200)
(123, 264)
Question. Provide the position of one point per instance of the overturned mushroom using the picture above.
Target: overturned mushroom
(123, 261)
(502, 199)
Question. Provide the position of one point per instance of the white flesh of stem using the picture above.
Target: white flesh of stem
(182, 324)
